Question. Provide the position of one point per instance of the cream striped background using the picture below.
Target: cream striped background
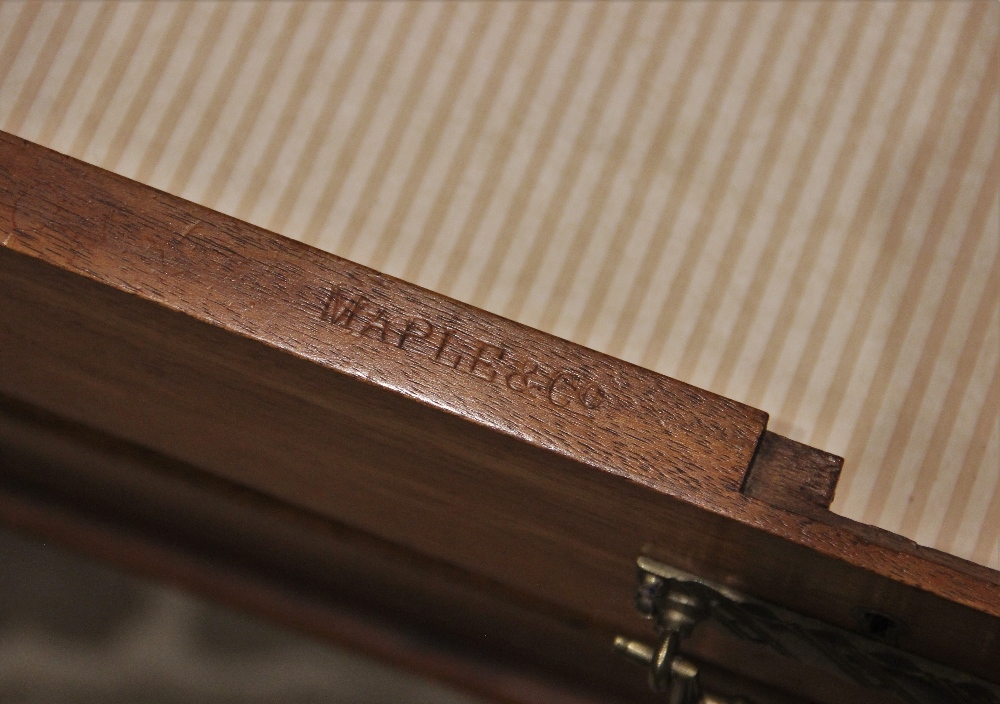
(795, 205)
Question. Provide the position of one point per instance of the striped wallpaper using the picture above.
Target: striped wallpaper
(792, 204)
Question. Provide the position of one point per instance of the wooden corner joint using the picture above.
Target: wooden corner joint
(792, 476)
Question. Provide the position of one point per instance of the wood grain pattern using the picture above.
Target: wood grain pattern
(117, 502)
(473, 440)
(790, 204)
(792, 476)
(373, 328)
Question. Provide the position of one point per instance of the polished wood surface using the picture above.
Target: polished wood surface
(507, 453)
(78, 488)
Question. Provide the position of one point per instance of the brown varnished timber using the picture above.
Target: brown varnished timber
(792, 476)
(121, 504)
(528, 460)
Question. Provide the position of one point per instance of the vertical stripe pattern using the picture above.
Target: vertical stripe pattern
(792, 204)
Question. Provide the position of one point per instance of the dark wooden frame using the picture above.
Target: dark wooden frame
(533, 469)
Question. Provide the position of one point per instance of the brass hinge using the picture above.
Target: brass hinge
(678, 601)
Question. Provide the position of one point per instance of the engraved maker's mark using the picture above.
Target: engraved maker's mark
(491, 363)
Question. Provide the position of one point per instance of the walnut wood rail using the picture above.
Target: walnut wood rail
(148, 513)
(526, 461)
